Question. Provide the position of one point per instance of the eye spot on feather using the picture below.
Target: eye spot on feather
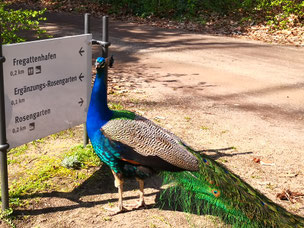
(216, 192)
(226, 171)
(204, 160)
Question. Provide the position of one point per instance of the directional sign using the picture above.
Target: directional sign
(47, 86)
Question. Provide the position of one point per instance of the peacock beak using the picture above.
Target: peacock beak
(97, 65)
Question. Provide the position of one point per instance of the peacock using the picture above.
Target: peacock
(135, 147)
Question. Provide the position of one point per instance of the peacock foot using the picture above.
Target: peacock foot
(138, 205)
(115, 210)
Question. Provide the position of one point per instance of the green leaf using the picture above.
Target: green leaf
(13, 22)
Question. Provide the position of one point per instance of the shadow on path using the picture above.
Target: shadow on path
(102, 182)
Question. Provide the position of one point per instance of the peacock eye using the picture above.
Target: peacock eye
(216, 192)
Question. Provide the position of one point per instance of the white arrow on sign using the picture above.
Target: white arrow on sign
(42, 79)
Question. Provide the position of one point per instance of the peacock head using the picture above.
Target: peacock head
(100, 63)
(100, 66)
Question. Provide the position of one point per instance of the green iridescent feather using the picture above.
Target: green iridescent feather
(215, 190)
(123, 114)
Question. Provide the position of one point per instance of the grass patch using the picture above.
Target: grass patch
(63, 134)
(18, 150)
(115, 106)
(15, 153)
(46, 173)
(37, 178)
(6, 216)
(85, 155)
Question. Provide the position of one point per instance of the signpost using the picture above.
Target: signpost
(45, 87)
(3, 143)
(43, 78)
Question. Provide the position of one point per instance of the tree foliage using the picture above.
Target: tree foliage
(282, 12)
(14, 21)
(276, 11)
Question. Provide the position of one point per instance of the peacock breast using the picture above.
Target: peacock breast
(106, 150)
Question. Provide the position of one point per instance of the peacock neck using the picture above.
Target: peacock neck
(99, 112)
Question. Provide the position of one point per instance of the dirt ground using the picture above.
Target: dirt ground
(242, 98)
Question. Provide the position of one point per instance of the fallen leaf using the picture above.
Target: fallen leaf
(256, 160)
(289, 195)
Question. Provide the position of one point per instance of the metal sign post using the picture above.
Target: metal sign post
(104, 53)
(87, 29)
(105, 36)
(3, 143)
(105, 43)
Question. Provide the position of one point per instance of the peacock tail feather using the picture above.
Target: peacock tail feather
(217, 191)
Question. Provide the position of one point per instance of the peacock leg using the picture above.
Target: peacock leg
(141, 193)
(118, 182)
(141, 202)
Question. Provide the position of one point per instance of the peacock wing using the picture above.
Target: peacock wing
(146, 143)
